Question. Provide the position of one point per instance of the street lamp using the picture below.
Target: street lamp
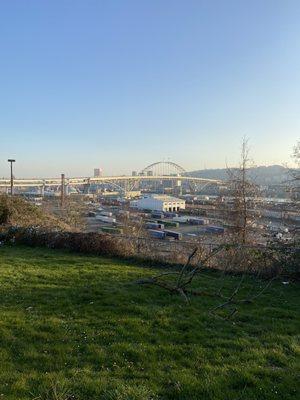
(11, 161)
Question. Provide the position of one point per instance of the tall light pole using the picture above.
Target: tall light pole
(11, 161)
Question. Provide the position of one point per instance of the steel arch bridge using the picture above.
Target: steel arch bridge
(164, 168)
(159, 171)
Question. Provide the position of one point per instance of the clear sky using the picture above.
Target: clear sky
(123, 83)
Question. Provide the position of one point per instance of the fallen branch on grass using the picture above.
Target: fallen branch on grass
(186, 275)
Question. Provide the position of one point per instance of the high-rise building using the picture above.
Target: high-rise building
(97, 172)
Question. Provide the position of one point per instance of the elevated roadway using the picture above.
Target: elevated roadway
(50, 182)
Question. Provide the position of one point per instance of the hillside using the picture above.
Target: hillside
(78, 327)
(271, 175)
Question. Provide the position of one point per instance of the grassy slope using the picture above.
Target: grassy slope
(78, 326)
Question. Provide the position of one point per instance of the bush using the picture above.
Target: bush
(266, 261)
(93, 243)
(17, 211)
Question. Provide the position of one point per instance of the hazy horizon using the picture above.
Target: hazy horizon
(120, 85)
(38, 175)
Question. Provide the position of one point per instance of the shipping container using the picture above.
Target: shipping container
(175, 235)
(154, 225)
(103, 218)
(156, 234)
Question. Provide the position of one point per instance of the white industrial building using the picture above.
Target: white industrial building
(158, 202)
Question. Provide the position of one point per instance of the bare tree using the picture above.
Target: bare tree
(239, 215)
(295, 173)
(296, 153)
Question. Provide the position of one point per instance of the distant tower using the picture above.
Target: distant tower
(97, 172)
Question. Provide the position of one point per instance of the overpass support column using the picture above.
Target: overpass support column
(62, 190)
(87, 187)
(43, 190)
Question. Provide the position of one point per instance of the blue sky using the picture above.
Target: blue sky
(123, 83)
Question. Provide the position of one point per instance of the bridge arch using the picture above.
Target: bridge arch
(160, 168)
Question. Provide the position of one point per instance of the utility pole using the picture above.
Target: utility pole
(11, 161)
(62, 190)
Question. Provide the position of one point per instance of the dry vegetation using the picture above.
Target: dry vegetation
(15, 211)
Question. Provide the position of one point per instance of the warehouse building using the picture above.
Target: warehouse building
(158, 202)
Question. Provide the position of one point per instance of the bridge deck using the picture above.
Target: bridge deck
(84, 181)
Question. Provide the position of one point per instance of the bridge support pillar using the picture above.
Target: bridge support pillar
(62, 190)
(42, 190)
(86, 188)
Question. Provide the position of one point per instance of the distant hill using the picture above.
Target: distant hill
(271, 175)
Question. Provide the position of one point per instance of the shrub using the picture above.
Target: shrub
(93, 243)
(17, 211)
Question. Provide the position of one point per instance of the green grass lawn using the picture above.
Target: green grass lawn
(78, 327)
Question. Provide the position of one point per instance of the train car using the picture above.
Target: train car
(169, 223)
(198, 221)
(156, 234)
(157, 215)
(106, 213)
(154, 225)
(215, 229)
(103, 218)
(112, 230)
(173, 234)
(181, 220)
(170, 214)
